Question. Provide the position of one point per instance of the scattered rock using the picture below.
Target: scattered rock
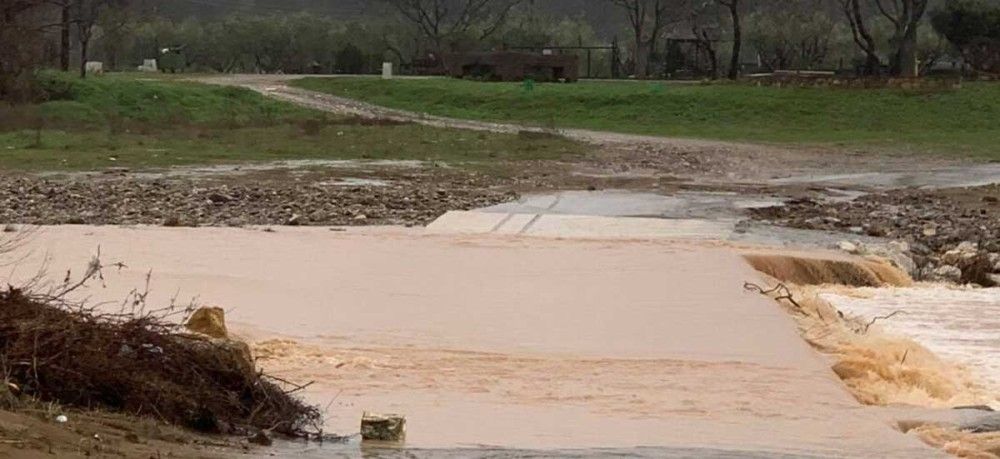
(948, 273)
(209, 321)
(10, 228)
(219, 198)
(848, 247)
(172, 221)
(383, 427)
(939, 227)
(137, 200)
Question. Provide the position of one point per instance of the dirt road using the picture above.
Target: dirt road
(628, 156)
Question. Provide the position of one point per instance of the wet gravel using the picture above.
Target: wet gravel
(127, 201)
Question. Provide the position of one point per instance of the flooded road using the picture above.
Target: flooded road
(509, 343)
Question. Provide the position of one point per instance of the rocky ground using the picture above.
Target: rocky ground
(950, 234)
(282, 198)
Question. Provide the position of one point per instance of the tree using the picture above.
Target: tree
(87, 13)
(21, 51)
(905, 16)
(793, 38)
(647, 19)
(704, 20)
(445, 21)
(973, 27)
(734, 13)
(65, 23)
(857, 18)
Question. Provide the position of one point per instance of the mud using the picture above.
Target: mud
(32, 433)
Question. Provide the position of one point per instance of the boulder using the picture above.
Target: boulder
(984, 424)
(964, 252)
(209, 321)
(948, 273)
(994, 259)
(849, 247)
(383, 427)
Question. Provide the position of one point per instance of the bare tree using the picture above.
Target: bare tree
(21, 25)
(441, 20)
(734, 13)
(704, 21)
(647, 19)
(905, 16)
(87, 14)
(857, 17)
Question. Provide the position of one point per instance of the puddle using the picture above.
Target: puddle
(248, 168)
(354, 181)
(957, 324)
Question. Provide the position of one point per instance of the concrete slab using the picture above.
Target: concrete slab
(457, 222)
(579, 226)
(622, 203)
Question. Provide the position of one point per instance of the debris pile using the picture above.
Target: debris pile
(142, 363)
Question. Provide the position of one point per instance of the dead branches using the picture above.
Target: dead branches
(878, 318)
(782, 291)
(139, 360)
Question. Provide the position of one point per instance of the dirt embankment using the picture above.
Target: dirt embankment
(33, 433)
(954, 234)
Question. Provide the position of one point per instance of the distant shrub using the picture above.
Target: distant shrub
(973, 26)
(350, 59)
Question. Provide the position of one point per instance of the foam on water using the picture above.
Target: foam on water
(958, 324)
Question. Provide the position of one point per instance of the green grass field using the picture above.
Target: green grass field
(137, 122)
(961, 122)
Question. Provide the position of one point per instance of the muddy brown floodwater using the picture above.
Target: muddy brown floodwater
(507, 343)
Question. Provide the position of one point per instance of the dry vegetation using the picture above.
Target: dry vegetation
(137, 361)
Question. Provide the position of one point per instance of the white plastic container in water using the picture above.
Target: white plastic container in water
(387, 70)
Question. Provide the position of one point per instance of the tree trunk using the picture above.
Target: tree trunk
(641, 60)
(873, 65)
(84, 44)
(734, 63)
(905, 61)
(64, 39)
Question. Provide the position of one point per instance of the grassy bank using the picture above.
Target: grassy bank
(965, 121)
(130, 121)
